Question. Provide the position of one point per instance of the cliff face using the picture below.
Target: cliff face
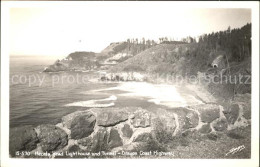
(75, 61)
(113, 54)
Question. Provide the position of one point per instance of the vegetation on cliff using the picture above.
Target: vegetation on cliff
(225, 54)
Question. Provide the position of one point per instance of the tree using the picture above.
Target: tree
(143, 41)
(236, 42)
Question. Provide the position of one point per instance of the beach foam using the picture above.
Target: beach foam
(94, 103)
(161, 94)
(157, 93)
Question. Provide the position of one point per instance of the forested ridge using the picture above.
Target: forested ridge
(236, 42)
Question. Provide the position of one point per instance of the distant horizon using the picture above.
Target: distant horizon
(62, 56)
(57, 32)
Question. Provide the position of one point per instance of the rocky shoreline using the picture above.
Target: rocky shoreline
(129, 129)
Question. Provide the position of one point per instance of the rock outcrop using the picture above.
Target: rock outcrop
(82, 126)
(187, 118)
(127, 131)
(232, 113)
(51, 137)
(100, 139)
(111, 116)
(124, 76)
(75, 61)
(220, 125)
(114, 139)
(68, 119)
(22, 139)
(141, 118)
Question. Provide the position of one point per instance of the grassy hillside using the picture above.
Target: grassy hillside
(113, 49)
(190, 60)
(120, 51)
(166, 58)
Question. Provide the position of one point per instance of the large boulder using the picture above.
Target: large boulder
(208, 112)
(187, 118)
(163, 125)
(100, 140)
(232, 113)
(110, 116)
(104, 140)
(87, 142)
(51, 137)
(220, 125)
(22, 139)
(114, 139)
(82, 126)
(127, 131)
(191, 120)
(141, 118)
(67, 119)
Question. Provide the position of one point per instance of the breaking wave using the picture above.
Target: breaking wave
(94, 103)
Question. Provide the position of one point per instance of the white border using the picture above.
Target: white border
(6, 161)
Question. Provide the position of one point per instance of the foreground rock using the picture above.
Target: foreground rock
(114, 139)
(164, 126)
(82, 126)
(111, 116)
(220, 125)
(141, 118)
(51, 137)
(127, 131)
(22, 139)
(100, 140)
(68, 119)
(232, 113)
(131, 129)
(187, 118)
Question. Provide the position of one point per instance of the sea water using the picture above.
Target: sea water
(39, 98)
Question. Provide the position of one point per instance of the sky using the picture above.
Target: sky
(58, 31)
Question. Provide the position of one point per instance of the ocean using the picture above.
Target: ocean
(43, 98)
